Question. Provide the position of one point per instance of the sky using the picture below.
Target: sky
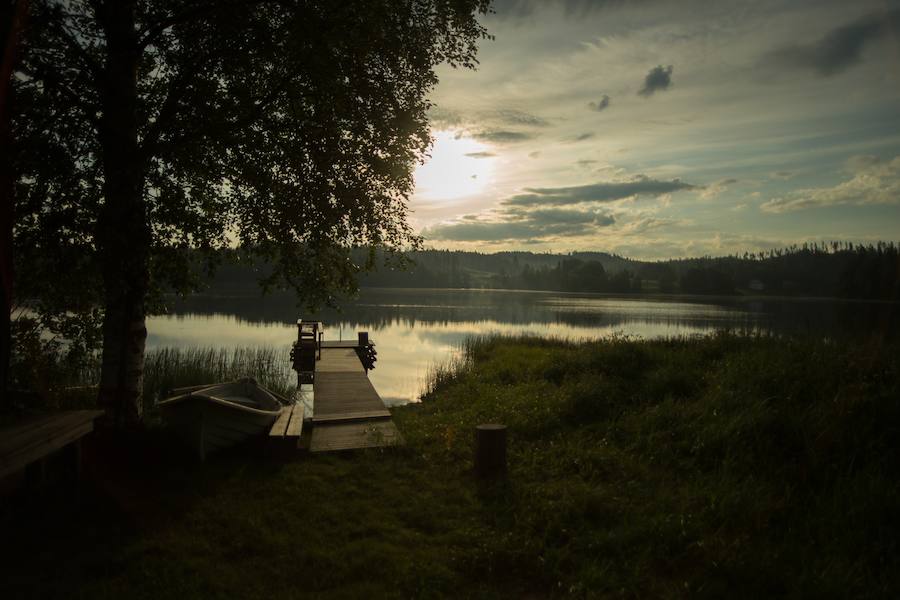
(658, 129)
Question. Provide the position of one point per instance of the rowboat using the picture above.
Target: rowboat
(213, 417)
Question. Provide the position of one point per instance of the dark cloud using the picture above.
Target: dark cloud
(601, 104)
(518, 9)
(658, 79)
(841, 47)
(511, 116)
(499, 125)
(480, 154)
(558, 216)
(585, 162)
(583, 136)
(501, 136)
(523, 225)
(598, 192)
(534, 154)
(444, 117)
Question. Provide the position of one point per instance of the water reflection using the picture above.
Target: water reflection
(415, 329)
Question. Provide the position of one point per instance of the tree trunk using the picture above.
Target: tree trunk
(123, 235)
(13, 19)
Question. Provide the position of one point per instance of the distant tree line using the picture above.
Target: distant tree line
(837, 269)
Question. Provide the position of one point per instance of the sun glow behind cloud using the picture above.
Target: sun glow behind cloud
(459, 167)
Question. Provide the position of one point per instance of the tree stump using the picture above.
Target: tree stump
(490, 451)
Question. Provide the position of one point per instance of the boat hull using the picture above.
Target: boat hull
(209, 424)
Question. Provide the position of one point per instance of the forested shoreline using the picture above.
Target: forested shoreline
(840, 270)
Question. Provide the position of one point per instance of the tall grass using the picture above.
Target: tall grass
(167, 368)
(52, 383)
(696, 466)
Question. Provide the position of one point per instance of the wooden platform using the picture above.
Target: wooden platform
(353, 436)
(339, 360)
(33, 440)
(340, 344)
(342, 394)
(348, 413)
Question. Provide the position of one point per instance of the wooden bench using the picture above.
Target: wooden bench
(31, 442)
(287, 430)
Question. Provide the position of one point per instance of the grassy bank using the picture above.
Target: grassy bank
(702, 468)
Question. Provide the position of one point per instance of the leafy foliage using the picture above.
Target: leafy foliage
(290, 127)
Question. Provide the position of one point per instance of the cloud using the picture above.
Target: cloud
(840, 48)
(512, 116)
(874, 182)
(502, 136)
(582, 137)
(713, 190)
(645, 224)
(658, 79)
(480, 154)
(518, 9)
(555, 216)
(601, 104)
(597, 192)
(443, 118)
(522, 225)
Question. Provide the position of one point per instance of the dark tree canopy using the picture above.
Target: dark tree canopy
(286, 126)
(146, 128)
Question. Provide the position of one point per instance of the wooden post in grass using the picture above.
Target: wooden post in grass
(490, 451)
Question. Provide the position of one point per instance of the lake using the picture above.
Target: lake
(415, 329)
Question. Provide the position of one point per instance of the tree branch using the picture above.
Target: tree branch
(89, 110)
(150, 147)
(147, 35)
(92, 66)
(177, 87)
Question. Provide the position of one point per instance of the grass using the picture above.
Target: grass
(166, 368)
(56, 385)
(711, 467)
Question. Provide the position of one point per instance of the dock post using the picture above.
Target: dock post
(490, 451)
(362, 339)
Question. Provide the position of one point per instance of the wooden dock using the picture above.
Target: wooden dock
(348, 413)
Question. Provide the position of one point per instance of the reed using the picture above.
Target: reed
(168, 368)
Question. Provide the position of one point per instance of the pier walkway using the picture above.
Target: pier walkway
(347, 411)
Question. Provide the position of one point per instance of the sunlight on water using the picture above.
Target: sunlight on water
(416, 330)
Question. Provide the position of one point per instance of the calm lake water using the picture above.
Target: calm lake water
(416, 329)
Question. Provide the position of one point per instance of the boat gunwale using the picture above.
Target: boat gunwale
(200, 395)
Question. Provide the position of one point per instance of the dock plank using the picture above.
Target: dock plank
(338, 360)
(326, 344)
(281, 423)
(295, 427)
(346, 392)
(353, 436)
(353, 416)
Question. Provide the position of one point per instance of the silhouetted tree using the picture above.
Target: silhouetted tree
(151, 127)
(12, 17)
